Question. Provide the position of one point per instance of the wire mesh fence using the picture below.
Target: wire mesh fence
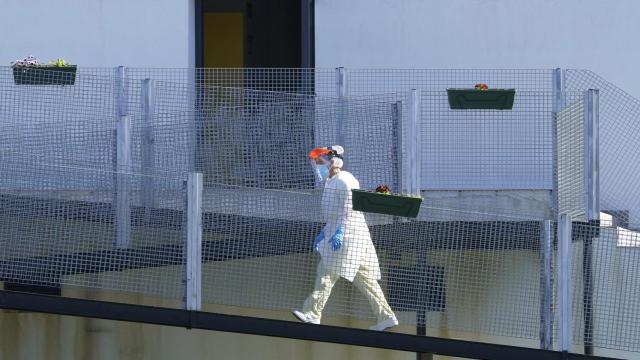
(619, 144)
(447, 269)
(52, 233)
(487, 149)
(447, 163)
(90, 99)
(570, 143)
(371, 81)
(249, 131)
(324, 81)
(605, 287)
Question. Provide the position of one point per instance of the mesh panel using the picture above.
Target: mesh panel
(499, 150)
(619, 143)
(60, 121)
(454, 265)
(293, 80)
(375, 81)
(55, 233)
(571, 162)
(487, 149)
(605, 286)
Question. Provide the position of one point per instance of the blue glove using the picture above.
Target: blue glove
(317, 240)
(336, 239)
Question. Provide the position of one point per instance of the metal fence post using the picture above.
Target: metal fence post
(557, 88)
(564, 282)
(592, 205)
(396, 109)
(546, 296)
(193, 244)
(123, 188)
(195, 81)
(341, 93)
(122, 105)
(148, 153)
(587, 288)
(404, 150)
(591, 155)
(413, 145)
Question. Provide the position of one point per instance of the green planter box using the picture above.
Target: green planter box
(396, 205)
(496, 99)
(44, 75)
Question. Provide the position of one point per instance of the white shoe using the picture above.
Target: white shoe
(306, 318)
(385, 324)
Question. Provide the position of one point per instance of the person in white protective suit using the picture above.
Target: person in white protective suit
(344, 243)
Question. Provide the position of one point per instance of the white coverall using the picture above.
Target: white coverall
(356, 260)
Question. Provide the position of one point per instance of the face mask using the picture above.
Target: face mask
(322, 172)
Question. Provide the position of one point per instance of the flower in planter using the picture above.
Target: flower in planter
(60, 62)
(481, 86)
(383, 189)
(28, 61)
(34, 61)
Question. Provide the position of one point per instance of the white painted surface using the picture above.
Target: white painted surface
(99, 33)
(492, 34)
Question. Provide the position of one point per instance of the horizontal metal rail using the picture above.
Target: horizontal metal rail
(277, 328)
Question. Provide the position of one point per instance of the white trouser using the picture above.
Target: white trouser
(363, 281)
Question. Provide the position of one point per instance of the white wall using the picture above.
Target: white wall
(599, 35)
(97, 33)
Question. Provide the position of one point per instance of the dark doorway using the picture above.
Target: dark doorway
(275, 35)
(254, 33)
